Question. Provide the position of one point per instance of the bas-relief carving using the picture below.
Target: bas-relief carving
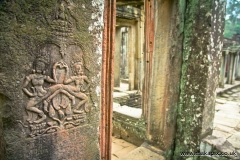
(58, 89)
(63, 104)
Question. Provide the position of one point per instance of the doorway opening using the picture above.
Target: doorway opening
(128, 123)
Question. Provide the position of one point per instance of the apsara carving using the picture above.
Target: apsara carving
(62, 100)
(62, 104)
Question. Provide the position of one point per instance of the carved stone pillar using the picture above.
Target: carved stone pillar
(124, 53)
(223, 68)
(117, 57)
(139, 73)
(131, 56)
(50, 79)
(230, 77)
(124, 58)
(237, 73)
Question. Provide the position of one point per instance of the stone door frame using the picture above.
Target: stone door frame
(107, 79)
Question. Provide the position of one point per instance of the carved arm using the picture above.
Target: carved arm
(50, 80)
(68, 80)
(25, 90)
(88, 83)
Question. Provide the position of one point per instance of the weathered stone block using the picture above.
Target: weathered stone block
(50, 64)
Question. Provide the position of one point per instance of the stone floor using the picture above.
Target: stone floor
(227, 117)
(120, 148)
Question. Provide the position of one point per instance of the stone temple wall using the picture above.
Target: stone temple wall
(50, 63)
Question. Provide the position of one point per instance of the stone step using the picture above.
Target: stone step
(130, 99)
(142, 153)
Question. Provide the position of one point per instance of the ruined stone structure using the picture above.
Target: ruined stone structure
(56, 74)
(183, 43)
(230, 61)
(50, 79)
(129, 40)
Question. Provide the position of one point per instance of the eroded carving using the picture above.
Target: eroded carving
(37, 92)
(59, 91)
(65, 19)
(62, 105)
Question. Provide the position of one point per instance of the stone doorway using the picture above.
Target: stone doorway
(128, 122)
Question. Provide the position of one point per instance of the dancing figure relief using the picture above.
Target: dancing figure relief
(63, 100)
(37, 93)
(78, 89)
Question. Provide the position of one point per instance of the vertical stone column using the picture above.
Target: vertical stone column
(139, 55)
(238, 67)
(107, 80)
(147, 59)
(138, 37)
(235, 67)
(50, 62)
(125, 52)
(131, 56)
(163, 32)
(117, 57)
(223, 69)
(203, 40)
(230, 77)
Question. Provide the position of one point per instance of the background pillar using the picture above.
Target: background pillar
(223, 69)
(238, 68)
(230, 77)
(117, 57)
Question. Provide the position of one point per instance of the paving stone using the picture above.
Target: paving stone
(235, 116)
(223, 128)
(120, 148)
(225, 95)
(123, 87)
(232, 103)
(125, 151)
(115, 105)
(237, 128)
(119, 94)
(114, 157)
(129, 111)
(229, 107)
(235, 140)
(229, 92)
(214, 140)
(222, 145)
(222, 98)
(220, 134)
(235, 90)
(142, 153)
(131, 92)
(226, 122)
(228, 148)
(235, 99)
(235, 95)
(116, 147)
(122, 143)
(221, 101)
(220, 114)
